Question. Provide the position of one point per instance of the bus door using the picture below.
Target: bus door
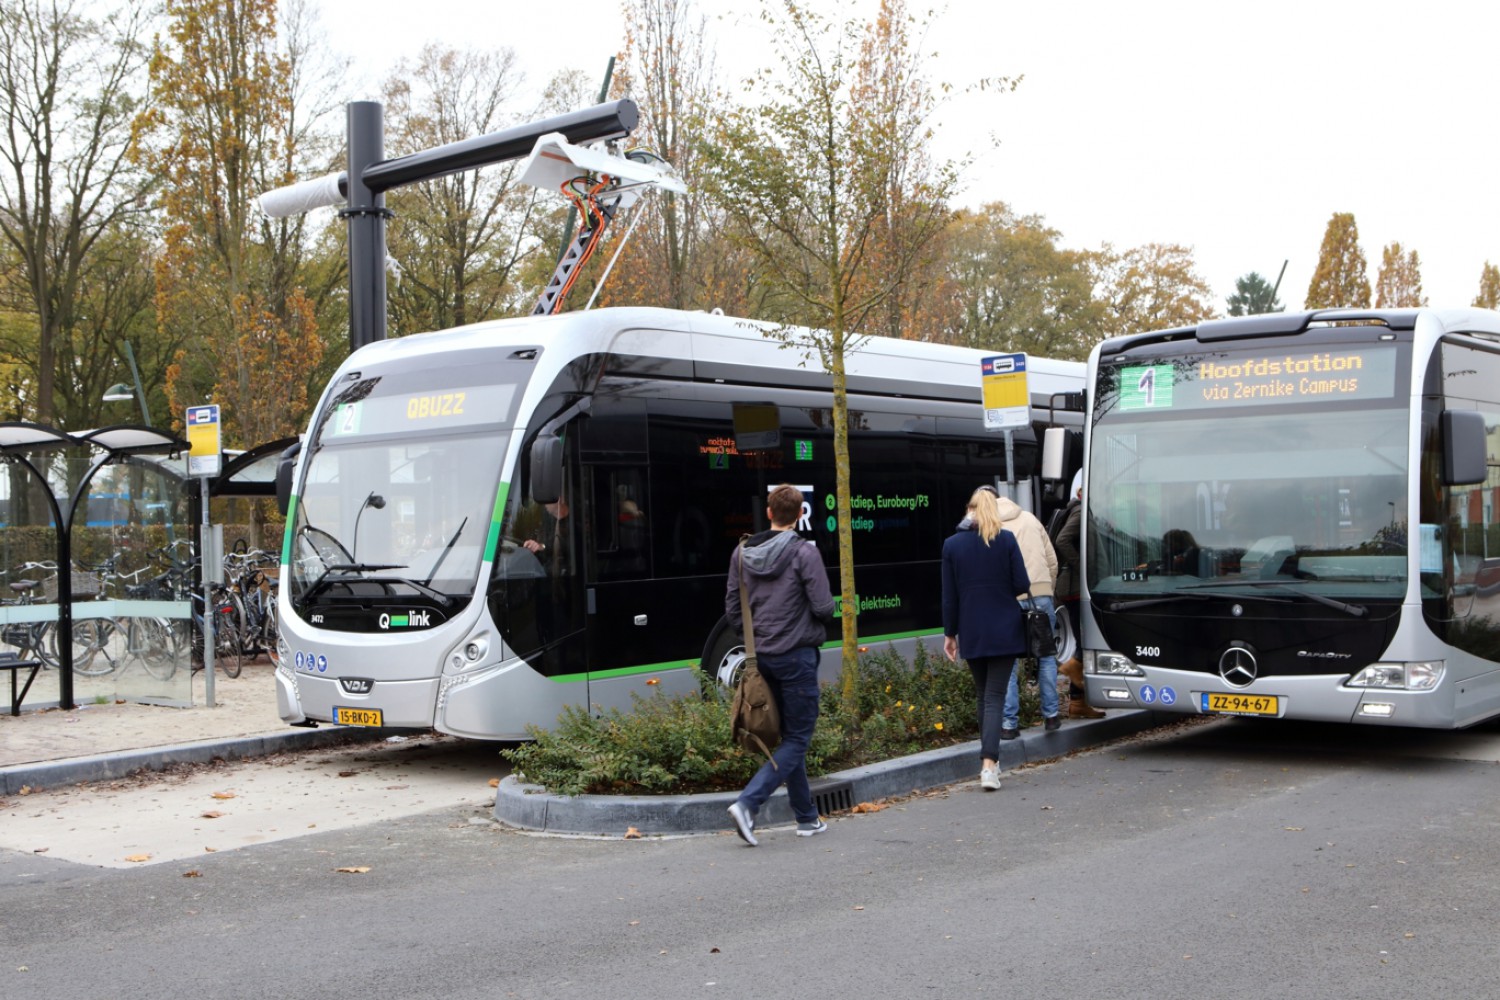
(541, 578)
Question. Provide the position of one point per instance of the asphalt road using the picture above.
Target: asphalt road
(1226, 859)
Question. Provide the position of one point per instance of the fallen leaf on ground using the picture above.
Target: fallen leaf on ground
(195, 873)
(223, 795)
(25, 790)
(211, 814)
(1292, 829)
(137, 857)
(494, 782)
(40, 850)
(354, 870)
(868, 807)
(631, 833)
(347, 774)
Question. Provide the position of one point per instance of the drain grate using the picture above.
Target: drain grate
(832, 796)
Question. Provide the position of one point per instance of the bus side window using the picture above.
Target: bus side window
(621, 526)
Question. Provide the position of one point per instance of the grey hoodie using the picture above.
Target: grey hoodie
(788, 588)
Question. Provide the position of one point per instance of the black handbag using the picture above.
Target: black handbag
(1040, 640)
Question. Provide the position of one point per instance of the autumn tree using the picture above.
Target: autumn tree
(459, 241)
(1339, 281)
(1253, 296)
(217, 136)
(1015, 288)
(667, 68)
(805, 171)
(1151, 287)
(1489, 287)
(70, 79)
(1399, 283)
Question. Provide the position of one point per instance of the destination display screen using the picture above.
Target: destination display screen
(435, 410)
(1214, 381)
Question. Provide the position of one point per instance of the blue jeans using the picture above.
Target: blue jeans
(793, 679)
(1047, 673)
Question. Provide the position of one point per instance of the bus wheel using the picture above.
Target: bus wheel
(724, 656)
(1067, 635)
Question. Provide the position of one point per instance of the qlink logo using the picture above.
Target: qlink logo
(412, 619)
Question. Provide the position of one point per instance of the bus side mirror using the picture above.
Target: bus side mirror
(546, 468)
(284, 467)
(1465, 459)
(1060, 445)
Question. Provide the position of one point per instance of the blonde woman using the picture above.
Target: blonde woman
(982, 573)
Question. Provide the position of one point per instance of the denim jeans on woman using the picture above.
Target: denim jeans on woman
(793, 679)
(1047, 670)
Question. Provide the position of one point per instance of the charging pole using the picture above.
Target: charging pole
(204, 462)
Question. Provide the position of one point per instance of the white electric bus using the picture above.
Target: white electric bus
(1294, 516)
(489, 523)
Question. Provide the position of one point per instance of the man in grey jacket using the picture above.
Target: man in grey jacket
(790, 603)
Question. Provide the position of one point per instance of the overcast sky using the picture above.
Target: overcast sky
(1234, 129)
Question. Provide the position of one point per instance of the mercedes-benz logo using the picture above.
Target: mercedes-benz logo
(1238, 666)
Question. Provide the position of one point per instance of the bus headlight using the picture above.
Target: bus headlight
(1111, 663)
(1423, 675)
(470, 654)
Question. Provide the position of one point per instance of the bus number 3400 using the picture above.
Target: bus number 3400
(1142, 652)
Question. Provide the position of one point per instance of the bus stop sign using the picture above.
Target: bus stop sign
(1007, 401)
(203, 440)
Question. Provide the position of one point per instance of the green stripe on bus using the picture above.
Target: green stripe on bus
(492, 543)
(679, 664)
(286, 533)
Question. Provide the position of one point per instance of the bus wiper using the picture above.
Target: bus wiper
(1146, 602)
(1356, 610)
(446, 549)
(324, 581)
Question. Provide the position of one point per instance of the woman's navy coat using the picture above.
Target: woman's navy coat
(980, 584)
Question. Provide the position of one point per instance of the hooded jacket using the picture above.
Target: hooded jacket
(1036, 547)
(788, 588)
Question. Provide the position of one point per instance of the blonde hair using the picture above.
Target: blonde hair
(984, 510)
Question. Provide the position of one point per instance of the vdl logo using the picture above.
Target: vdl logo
(412, 619)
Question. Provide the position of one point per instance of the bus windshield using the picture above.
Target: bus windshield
(399, 487)
(1259, 498)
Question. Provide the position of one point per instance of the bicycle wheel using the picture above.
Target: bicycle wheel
(90, 658)
(152, 643)
(229, 632)
(270, 631)
(42, 643)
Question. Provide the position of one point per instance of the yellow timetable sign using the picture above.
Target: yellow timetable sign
(1007, 398)
(203, 440)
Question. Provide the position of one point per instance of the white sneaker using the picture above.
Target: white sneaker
(744, 823)
(989, 779)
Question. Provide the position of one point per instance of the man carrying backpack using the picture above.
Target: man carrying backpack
(790, 604)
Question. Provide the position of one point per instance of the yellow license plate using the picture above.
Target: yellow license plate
(1241, 704)
(357, 716)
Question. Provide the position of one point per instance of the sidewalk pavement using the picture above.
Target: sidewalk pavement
(45, 746)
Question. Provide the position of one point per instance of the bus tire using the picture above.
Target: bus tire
(1066, 633)
(723, 656)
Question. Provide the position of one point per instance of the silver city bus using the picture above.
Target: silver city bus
(1294, 516)
(490, 523)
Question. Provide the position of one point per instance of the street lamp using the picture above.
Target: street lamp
(120, 392)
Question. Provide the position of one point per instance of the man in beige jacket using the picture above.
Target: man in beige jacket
(1041, 566)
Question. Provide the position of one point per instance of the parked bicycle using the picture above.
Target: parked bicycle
(246, 570)
(35, 583)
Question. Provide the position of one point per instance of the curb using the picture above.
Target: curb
(533, 808)
(106, 767)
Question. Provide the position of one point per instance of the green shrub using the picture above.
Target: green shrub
(681, 745)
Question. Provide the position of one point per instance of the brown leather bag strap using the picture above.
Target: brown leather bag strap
(745, 604)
